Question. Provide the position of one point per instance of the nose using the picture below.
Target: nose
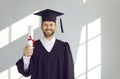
(48, 27)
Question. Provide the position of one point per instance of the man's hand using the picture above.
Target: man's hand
(28, 50)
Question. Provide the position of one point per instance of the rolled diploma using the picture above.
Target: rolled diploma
(30, 35)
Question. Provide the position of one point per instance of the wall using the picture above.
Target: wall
(76, 15)
(110, 39)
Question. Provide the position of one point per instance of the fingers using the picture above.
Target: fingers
(28, 50)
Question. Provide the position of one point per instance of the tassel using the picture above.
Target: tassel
(61, 26)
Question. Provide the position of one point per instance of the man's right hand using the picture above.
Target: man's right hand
(28, 50)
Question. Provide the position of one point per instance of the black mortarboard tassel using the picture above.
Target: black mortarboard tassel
(61, 26)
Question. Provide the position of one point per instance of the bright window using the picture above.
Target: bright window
(88, 61)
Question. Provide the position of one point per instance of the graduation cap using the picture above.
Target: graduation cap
(50, 15)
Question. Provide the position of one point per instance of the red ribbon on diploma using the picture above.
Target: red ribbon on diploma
(30, 38)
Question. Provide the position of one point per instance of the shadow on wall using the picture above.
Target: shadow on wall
(76, 16)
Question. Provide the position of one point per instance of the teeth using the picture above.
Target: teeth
(48, 30)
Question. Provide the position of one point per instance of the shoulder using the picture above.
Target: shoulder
(36, 42)
(60, 42)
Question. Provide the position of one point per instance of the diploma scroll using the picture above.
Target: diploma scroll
(30, 36)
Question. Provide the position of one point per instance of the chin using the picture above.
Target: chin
(48, 35)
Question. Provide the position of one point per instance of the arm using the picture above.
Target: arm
(24, 64)
(69, 63)
(20, 66)
(26, 61)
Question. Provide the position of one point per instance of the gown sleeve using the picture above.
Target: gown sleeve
(69, 63)
(20, 66)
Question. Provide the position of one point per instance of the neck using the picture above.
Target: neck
(49, 38)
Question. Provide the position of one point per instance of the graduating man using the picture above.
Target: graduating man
(50, 58)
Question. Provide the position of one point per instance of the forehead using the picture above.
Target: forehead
(48, 22)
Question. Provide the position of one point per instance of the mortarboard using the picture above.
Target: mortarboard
(50, 15)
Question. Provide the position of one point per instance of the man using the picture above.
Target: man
(50, 58)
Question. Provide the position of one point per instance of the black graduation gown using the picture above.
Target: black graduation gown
(56, 64)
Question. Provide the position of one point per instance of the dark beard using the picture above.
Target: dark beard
(49, 35)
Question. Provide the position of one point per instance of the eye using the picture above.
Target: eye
(45, 25)
(51, 24)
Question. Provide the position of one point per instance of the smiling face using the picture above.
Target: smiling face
(48, 28)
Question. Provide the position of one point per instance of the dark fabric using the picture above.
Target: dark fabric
(50, 15)
(56, 64)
